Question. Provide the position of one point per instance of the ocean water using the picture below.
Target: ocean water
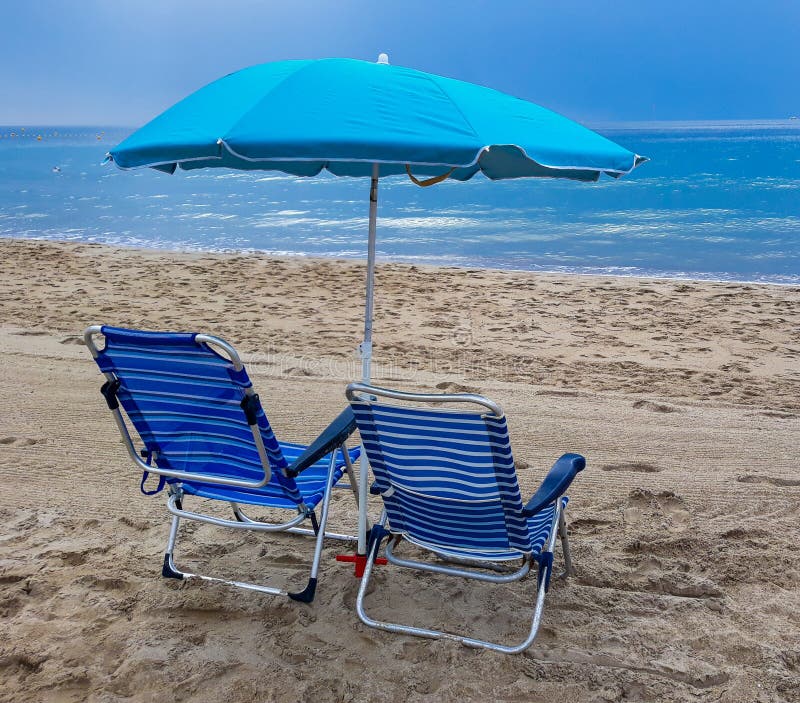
(717, 201)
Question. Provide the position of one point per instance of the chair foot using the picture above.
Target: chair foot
(168, 570)
(307, 594)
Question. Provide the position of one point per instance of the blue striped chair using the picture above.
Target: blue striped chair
(449, 486)
(201, 429)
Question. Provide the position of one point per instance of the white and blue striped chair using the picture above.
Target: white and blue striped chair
(203, 432)
(449, 485)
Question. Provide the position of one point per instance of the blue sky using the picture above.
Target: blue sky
(120, 62)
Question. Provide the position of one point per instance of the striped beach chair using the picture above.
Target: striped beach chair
(449, 486)
(201, 429)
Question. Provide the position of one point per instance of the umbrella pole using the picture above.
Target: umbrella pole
(366, 345)
(366, 356)
(359, 559)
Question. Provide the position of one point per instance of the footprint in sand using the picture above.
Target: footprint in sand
(8, 579)
(635, 466)
(298, 371)
(21, 664)
(74, 340)
(588, 525)
(20, 441)
(561, 394)
(450, 387)
(645, 506)
(140, 525)
(772, 480)
(654, 407)
(106, 583)
(739, 533)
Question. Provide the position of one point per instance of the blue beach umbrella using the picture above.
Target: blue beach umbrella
(355, 118)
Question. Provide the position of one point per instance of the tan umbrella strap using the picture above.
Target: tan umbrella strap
(432, 181)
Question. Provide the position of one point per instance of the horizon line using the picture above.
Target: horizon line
(593, 124)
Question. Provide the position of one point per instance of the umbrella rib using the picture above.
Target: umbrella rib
(264, 96)
(453, 103)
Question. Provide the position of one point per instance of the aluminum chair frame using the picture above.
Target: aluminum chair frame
(478, 567)
(175, 507)
(176, 494)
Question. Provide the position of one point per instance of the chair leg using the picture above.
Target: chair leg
(362, 590)
(168, 570)
(307, 594)
(438, 634)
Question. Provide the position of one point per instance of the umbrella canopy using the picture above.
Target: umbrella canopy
(354, 118)
(345, 115)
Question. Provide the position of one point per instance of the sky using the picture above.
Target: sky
(121, 62)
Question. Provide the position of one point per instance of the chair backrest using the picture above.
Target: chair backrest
(184, 399)
(446, 476)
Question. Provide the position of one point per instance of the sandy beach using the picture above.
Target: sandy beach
(683, 396)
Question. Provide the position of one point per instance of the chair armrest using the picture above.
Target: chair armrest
(332, 437)
(555, 483)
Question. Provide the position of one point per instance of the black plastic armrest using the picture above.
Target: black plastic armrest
(555, 483)
(331, 438)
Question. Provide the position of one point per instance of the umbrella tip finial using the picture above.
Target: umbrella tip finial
(383, 58)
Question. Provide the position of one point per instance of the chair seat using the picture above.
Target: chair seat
(311, 483)
(539, 526)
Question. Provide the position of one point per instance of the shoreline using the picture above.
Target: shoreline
(409, 261)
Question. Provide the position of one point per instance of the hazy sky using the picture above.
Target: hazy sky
(120, 62)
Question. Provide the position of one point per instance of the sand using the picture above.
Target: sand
(683, 396)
